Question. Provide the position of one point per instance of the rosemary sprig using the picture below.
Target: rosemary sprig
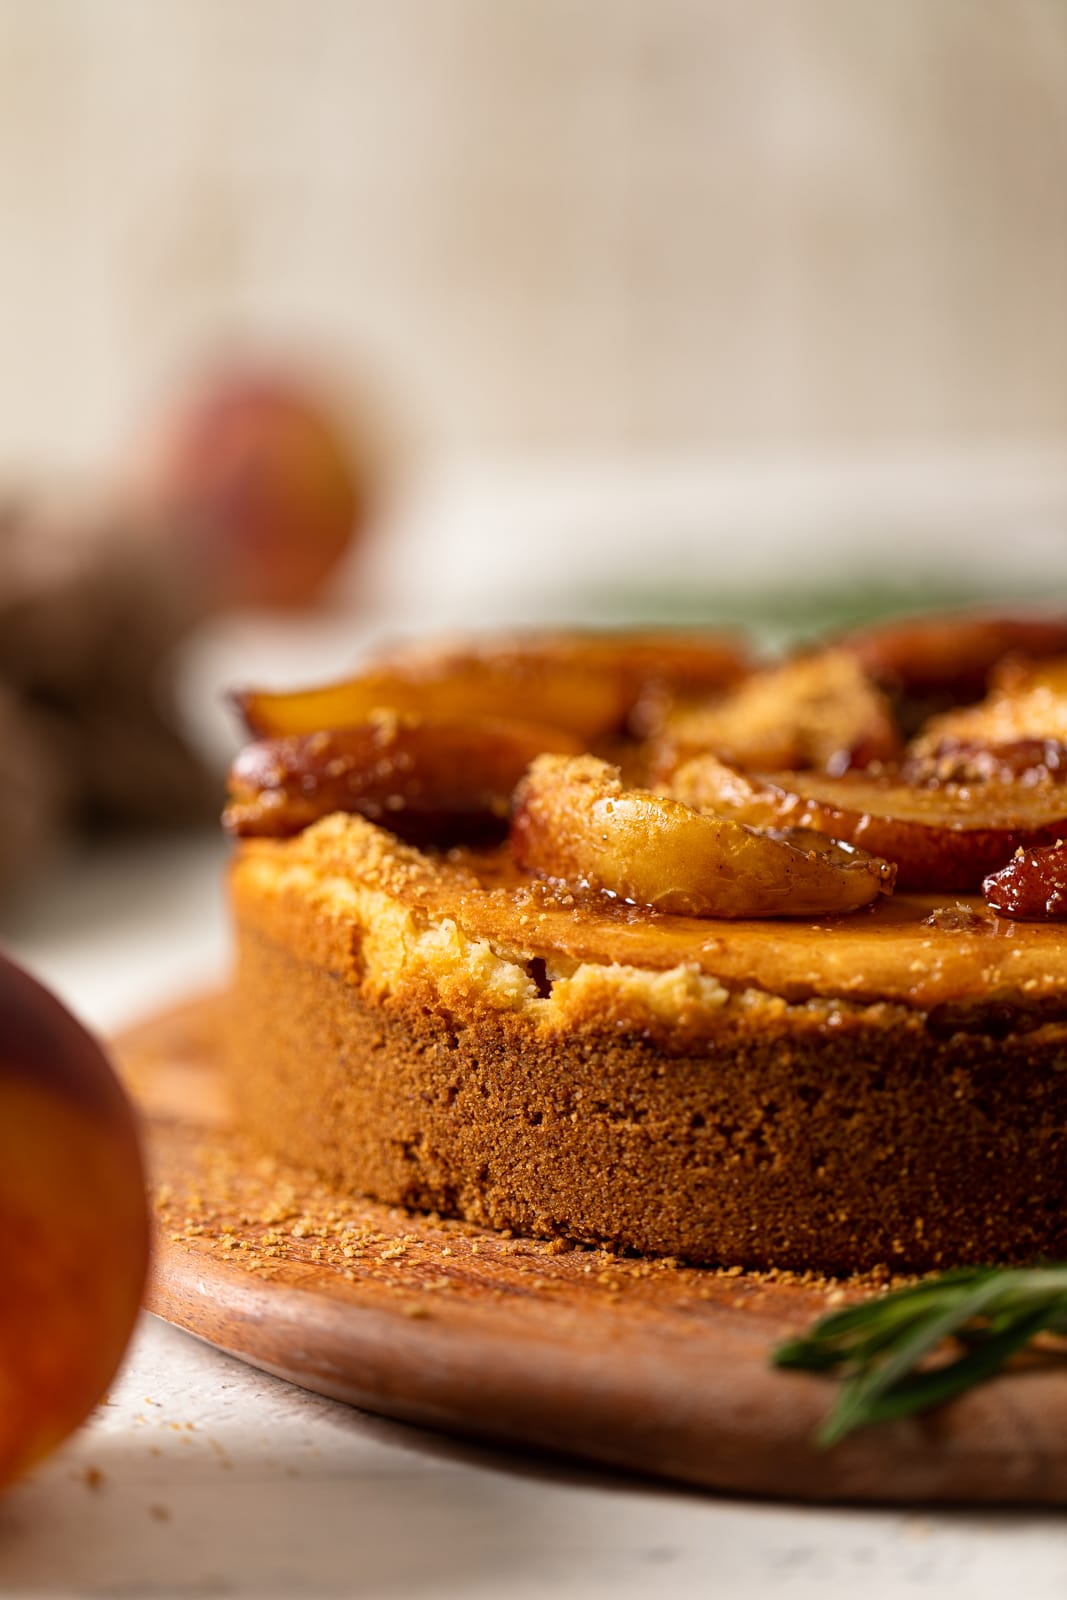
(893, 1351)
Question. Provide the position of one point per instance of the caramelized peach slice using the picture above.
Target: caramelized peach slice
(952, 653)
(586, 684)
(947, 837)
(813, 711)
(1033, 885)
(688, 663)
(659, 669)
(576, 823)
(1028, 701)
(1028, 761)
(429, 782)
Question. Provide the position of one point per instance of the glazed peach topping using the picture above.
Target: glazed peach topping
(671, 771)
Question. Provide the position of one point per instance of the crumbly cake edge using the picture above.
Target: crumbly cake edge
(346, 894)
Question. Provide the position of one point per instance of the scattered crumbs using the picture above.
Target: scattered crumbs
(959, 917)
(277, 1220)
(93, 1478)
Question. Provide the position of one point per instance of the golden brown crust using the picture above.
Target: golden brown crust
(436, 1035)
(315, 889)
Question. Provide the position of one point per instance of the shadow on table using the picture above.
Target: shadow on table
(375, 1509)
(123, 1526)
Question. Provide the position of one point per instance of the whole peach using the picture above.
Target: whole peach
(263, 487)
(73, 1221)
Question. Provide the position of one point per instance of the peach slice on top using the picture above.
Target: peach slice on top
(1028, 700)
(929, 664)
(1026, 761)
(576, 823)
(586, 684)
(946, 837)
(816, 710)
(952, 653)
(428, 782)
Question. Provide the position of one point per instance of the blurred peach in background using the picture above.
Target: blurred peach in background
(255, 480)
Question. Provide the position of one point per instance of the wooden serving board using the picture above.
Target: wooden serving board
(640, 1364)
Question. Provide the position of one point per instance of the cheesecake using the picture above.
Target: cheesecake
(426, 1012)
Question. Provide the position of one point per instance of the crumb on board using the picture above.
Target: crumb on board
(279, 1223)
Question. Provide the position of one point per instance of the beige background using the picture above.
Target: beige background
(611, 227)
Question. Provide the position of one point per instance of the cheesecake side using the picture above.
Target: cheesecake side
(421, 1032)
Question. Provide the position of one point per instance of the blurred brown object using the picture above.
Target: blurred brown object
(33, 799)
(90, 611)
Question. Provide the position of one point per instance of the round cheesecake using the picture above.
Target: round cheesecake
(442, 1032)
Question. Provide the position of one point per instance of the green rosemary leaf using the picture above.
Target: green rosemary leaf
(861, 1404)
(851, 1335)
(884, 1345)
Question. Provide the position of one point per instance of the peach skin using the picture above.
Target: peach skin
(73, 1222)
